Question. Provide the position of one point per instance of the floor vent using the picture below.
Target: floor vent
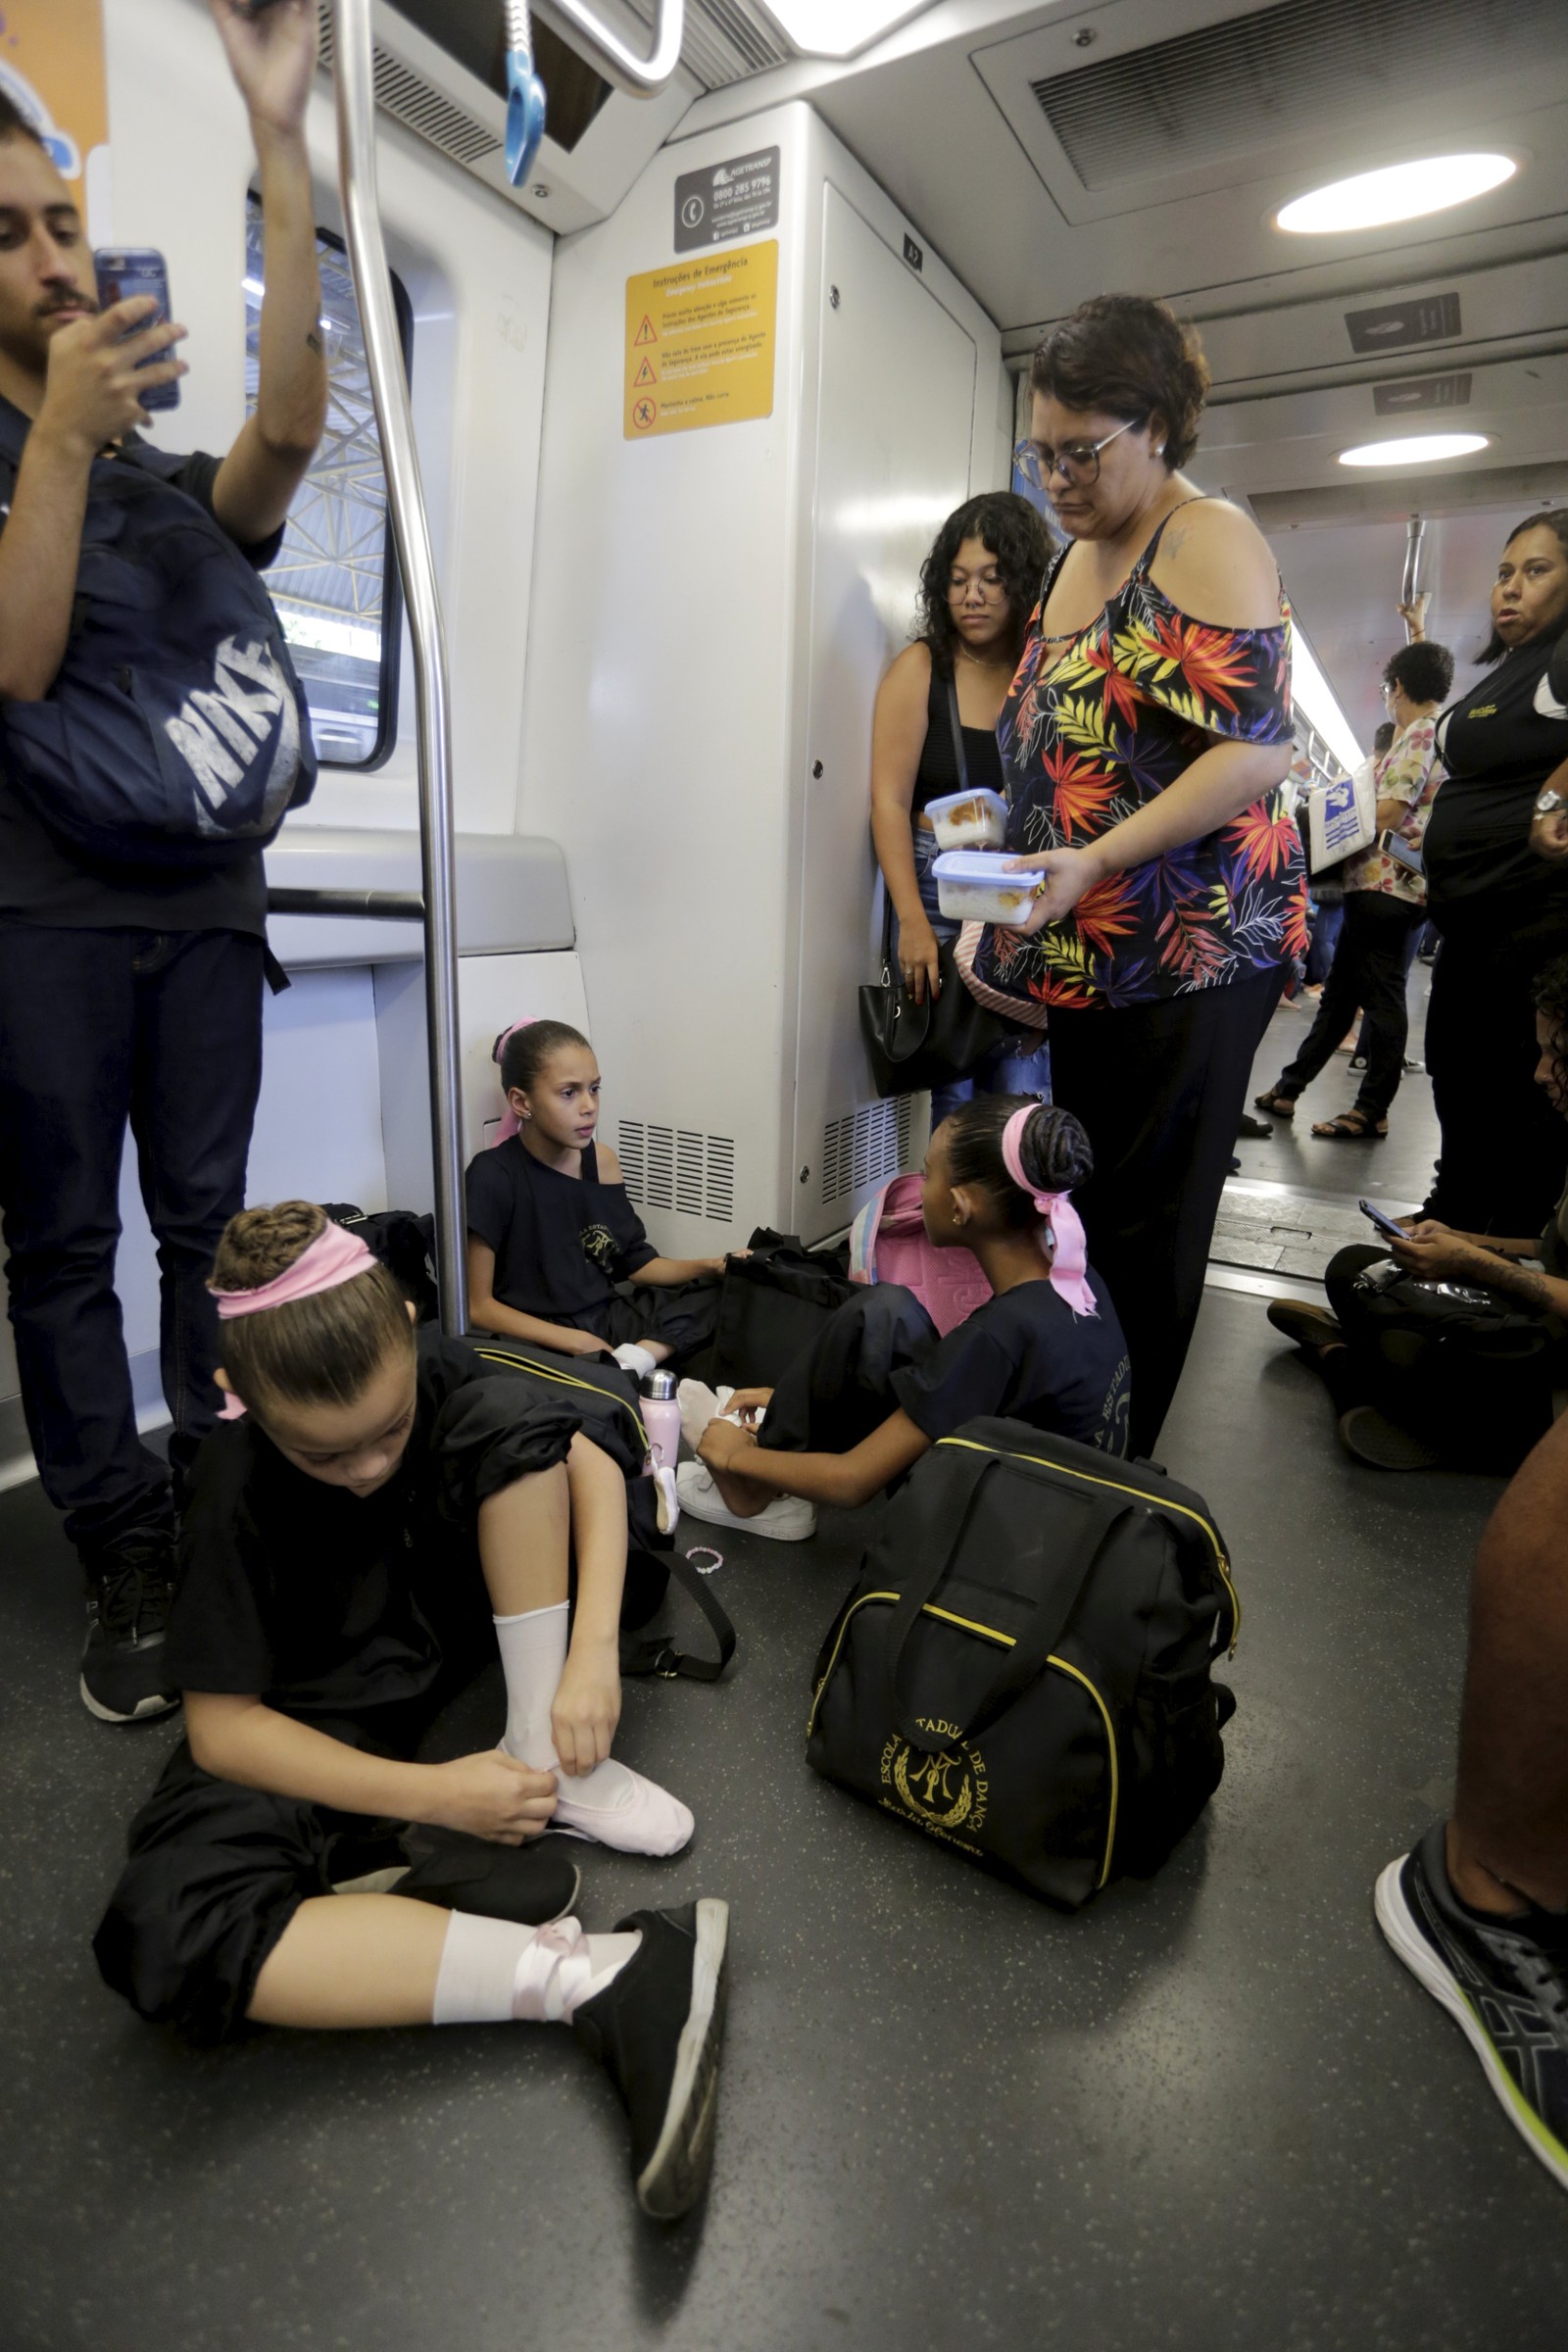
(868, 1145)
(1239, 86)
(409, 97)
(675, 1167)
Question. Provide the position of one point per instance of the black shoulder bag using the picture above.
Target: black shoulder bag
(912, 1046)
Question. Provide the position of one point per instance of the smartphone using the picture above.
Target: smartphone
(1395, 847)
(1383, 1221)
(139, 270)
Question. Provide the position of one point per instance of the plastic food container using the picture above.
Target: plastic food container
(970, 820)
(975, 886)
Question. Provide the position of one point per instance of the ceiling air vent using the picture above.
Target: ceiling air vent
(1285, 72)
(413, 101)
(726, 40)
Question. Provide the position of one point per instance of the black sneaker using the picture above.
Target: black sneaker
(1307, 1325)
(1504, 1981)
(1383, 1444)
(129, 1581)
(532, 1883)
(656, 2031)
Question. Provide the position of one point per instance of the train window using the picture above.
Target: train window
(335, 581)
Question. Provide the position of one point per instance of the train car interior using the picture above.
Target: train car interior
(591, 623)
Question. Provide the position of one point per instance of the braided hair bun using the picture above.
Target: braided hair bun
(321, 1351)
(260, 1244)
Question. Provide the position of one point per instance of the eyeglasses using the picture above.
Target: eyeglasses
(991, 588)
(1077, 464)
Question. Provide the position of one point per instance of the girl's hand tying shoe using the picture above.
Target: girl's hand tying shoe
(748, 1405)
(491, 1796)
(724, 1446)
(586, 1708)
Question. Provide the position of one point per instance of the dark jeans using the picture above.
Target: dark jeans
(1327, 921)
(1369, 969)
(1161, 1090)
(98, 1028)
(1504, 1146)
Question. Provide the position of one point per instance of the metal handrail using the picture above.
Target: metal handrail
(382, 906)
(1415, 532)
(640, 76)
(383, 350)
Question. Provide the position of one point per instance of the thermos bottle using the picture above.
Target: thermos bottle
(661, 1418)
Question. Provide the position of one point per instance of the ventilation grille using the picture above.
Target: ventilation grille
(1237, 87)
(868, 1145)
(726, 40)
(405, 95)
(674, 1167)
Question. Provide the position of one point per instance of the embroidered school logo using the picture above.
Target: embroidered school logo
(1482, 710)
(944, 1793)
(599, 1246)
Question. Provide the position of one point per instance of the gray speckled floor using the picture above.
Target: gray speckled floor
(1209, 2111)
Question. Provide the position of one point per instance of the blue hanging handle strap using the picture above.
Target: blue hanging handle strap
(526, 95)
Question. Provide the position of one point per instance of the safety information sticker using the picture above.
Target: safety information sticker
(734, 199)
(700, 341)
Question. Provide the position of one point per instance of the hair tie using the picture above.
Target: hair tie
(325, 1264)
(1063, 1232)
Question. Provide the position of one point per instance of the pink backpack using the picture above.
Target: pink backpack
(888, 1243)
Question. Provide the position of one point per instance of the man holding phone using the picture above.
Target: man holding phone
(129, 993)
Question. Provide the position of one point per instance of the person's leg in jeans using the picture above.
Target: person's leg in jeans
(1159, 1089)
(197, 1074)
(67, 1021)
(1479, 1911)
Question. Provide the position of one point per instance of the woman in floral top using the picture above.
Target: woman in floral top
(1146, 738)
(1385, 907)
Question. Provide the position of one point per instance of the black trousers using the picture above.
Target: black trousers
(684, 1317)
(1160, 1089)
(839, 1388)
(99, 1029)
(1369, 969)
(1504, 1147)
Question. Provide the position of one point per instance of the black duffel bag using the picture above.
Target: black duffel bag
(1024, 1669)
(772, 1306)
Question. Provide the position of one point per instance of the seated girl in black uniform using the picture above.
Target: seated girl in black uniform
(556, 1253)
(383, 1518)
(878, 1386)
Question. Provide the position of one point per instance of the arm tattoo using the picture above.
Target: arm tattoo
(1527, 1284)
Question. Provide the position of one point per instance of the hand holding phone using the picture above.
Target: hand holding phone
(123, 275)
(1383, 1221)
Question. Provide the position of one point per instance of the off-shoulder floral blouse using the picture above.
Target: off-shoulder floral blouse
(1137, 697)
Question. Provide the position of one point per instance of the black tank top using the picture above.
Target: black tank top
(938, 771)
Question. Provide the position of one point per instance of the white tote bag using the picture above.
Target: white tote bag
(1342, 817)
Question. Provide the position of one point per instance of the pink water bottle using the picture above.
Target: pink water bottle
(661, 1418)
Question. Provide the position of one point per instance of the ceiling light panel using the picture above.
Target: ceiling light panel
(1420, 449)
(1397, 192)
(839, 28)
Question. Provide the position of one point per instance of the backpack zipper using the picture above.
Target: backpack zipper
(494, 1356)
(991, 1633)
(1153, 1502)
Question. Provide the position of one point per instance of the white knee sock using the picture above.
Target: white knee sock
(611, 1803)
(636, 1361)
(493, 1970)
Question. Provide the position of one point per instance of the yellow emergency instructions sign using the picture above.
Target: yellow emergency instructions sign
(700, 341)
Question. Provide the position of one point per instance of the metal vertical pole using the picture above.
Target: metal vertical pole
(361, 220)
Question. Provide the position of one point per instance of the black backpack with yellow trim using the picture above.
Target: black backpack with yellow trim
(1024, 1667)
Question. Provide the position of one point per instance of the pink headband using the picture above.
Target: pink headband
(510, 1122)
(332, 1259)
(1064, 1232)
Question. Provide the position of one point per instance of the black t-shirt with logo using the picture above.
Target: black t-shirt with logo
(45, 880)
(1026, 1356)
(1499, 745)
(330, 1605)
(561, 1243)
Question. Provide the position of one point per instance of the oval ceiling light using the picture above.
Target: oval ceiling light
(839, 27)
(1399, 192)
(1420, 449)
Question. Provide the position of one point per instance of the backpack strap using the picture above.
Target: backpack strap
(656, 1653)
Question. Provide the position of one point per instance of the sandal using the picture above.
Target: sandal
(1351, 1127)
(1280, 1107)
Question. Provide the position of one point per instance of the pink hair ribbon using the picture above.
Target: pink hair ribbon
(332, 1259)
(1063, 1235)
(510, 1122)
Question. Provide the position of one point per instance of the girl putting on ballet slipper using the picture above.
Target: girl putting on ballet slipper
(877, 1387)
(375, 1519)
(556, 1253)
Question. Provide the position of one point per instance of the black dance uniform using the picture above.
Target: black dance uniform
(565, 1248)
(360, 1616)
(1502, 912)
(1025, 1357)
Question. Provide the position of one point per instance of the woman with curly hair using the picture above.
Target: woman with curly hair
(977, 587)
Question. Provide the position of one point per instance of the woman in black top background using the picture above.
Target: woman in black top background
(978, 586)
(1501, 908)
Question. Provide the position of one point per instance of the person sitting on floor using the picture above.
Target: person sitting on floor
(556, 1253)
(1478, 1910)
(1458, 1350)
(878, 1387)
(375, 1519)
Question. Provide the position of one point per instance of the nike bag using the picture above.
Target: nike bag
(1023, 1670)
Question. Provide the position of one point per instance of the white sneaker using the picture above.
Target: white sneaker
(783, 1519)
(700, 1405)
